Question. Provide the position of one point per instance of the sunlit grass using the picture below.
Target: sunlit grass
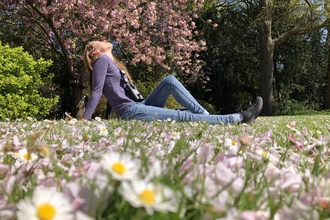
(276, 168)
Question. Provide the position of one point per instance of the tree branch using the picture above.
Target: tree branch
(299, 30)
(50, 22)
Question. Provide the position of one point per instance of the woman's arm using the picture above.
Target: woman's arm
(98, 77)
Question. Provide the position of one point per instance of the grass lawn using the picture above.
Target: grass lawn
(277, 168)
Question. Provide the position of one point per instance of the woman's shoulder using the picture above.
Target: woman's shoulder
(103, 57)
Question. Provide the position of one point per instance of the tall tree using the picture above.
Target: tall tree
(327, 74)
(268, 43)
(157, 33)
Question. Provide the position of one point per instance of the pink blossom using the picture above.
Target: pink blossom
(255, 215)
(225, 177)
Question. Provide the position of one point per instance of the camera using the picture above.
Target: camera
(134, 93)
(130, 88)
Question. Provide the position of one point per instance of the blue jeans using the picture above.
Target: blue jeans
(152, 108)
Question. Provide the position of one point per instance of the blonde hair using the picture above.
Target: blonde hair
(89, 58)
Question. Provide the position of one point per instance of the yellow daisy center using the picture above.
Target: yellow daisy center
(233, 143)
(45, 150)
(147, 196)
(27, 156)
(265, 154)
(119, 168)
(46, 211)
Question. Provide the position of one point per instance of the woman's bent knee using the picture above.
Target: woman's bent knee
(170, 79)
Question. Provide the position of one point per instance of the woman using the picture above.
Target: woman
(104, 77)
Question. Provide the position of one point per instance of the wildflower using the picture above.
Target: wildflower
(227, 178)
(27, 157)
(155, 170)
(295, 142)
(267, 156)
(176, 136)
(98, 119)
(120, 166)
(245, 140)
(103, 130)
(204, 153)
(194, 124)
(45, 151)
(45, 204)
(232, 146)
(73, 121)
(153, 197)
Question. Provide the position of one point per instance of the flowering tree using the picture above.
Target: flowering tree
(157, 33)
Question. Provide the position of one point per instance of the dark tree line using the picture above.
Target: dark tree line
(284, 61)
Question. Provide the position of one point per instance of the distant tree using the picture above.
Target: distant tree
(306, 16)
(327, 73)
(295, 17)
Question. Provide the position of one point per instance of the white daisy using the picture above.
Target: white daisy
(194, 124)
(267, 156)
(73, 121)
(176, 136)
(45, 204)
(98, 119)
(120, 166)
(232, 146)
(26, 157)
(103, 130)
(152, 197)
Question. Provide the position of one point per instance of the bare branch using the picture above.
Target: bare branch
(299, 30)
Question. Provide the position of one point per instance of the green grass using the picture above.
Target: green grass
(193, 163)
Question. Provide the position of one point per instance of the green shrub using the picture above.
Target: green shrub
(291, 107)
(20, 81)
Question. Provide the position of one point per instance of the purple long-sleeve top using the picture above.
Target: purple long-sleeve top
(106, 79)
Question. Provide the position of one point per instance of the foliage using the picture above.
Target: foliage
(157, 33)
(231, 67)
(299, 71)
(63, 88)
(274, 169)
(290, 107)
(21, 83)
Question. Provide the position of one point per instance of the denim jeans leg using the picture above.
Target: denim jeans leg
(140, 111)
(170, 85)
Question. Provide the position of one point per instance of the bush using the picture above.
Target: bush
(291, 107)
(20, 81)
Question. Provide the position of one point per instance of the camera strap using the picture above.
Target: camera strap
(132, 90)
(123, 75)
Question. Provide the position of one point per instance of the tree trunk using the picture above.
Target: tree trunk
(78, 79)
(327, 74)
(78, 102)
(267, 62)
